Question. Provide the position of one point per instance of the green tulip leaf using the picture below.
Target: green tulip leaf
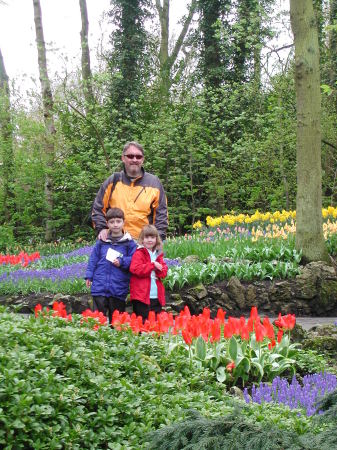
(221, 374)
(233, 348)
(200, 348)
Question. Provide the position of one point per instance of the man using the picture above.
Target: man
(138, 193)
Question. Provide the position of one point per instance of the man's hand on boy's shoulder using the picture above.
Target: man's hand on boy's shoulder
(103, 234)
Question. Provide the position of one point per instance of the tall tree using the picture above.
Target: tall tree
(211, 55)
(167, 60)
(242, 39)
(249, 33)
(309, 227)
(85, 59)
(47, 101)
(6, 142)
(128, 41)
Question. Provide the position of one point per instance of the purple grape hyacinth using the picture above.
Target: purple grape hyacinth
(172, 262)
(294, 395)
(82, 251)
(76, 270)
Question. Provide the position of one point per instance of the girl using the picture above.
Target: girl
(147, 268)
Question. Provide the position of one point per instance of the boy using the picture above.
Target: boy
(108, 267)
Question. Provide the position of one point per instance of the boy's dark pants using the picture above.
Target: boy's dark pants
(141, 309)
(107, 305)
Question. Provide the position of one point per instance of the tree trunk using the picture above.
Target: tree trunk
(85, 59)
(6, 141)
(257, 48)
(47, 101)
(309, 230)
(164, 12)
(166, 60)
(333, 49)
(282, 170)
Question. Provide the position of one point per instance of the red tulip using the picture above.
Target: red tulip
(260, 332)
(230, 366)
(271, 344)
(220, 315)
(245, 333)
(215, 331)
(279, 335)
(286, 322)
(37, 309)
(253, 313)
(269, 328)
(187, 337)
(228, 330)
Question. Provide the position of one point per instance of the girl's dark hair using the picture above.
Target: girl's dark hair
(114, 213)
(150, 230)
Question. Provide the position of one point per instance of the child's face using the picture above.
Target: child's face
(149, 242)
(115, 226)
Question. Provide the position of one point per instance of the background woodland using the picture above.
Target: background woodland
(214, 108)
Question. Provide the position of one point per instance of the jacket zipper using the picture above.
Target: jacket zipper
(139, 194)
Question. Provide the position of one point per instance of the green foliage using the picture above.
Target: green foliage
(64, 384)
(6, 237)
(235, 431)
(331, 243)
(223, 258)
(220, 145)
(328, 409)
(309, 361)
(196, 273)
(212, 246)
(253, 361)
(229, 432)
(208, 150)
(127, 64)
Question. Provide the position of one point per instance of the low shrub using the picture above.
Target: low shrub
(64, 385)
(238, 432)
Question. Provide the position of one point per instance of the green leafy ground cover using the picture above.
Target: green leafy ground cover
(63, 385)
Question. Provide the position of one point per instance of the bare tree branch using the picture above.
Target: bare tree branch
(275, 50)
(183, 32)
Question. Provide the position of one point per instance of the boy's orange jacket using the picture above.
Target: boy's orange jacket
(142, 200)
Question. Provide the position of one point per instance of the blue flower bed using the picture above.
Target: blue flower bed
(294, 395)
(67, 269)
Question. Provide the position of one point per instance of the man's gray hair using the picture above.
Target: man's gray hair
(133, 144)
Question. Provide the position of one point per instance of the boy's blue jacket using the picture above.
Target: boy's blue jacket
(107, 279)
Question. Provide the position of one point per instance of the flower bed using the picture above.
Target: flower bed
(22, 259)
(295, 396)
(236, 350)
(72, 379)
(229, 247)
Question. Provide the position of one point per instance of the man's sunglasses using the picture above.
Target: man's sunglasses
(131, 156)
